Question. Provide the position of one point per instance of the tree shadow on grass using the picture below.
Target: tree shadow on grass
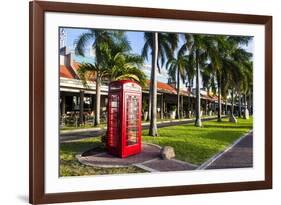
(80, 146)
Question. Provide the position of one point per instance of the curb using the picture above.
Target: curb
(140, 164)
(143, 124)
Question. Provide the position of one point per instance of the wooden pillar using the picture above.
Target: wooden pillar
(162, 106)
(226, 108)
(62, 109)
(192, 106)
(62, 104)
(181, 110)
(81, 110)
(93, 108)
(92, 102)
(207, 106)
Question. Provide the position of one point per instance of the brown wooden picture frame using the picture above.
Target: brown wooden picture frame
(36, 106)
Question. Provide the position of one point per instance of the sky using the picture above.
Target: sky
(136, 40)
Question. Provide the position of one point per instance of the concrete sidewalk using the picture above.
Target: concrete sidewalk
(239, 155)
(69, 135)
(149, 159)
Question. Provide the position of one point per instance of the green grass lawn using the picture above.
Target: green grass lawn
(191, 144)
(196, 145)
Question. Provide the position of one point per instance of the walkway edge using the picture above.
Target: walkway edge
(207, 163)
(141, 166)
(143, 124)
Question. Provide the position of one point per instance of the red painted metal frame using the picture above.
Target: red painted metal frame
(122, 149)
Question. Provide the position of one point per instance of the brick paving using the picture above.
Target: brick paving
(169, 165)
(149, 159)
(104, 159)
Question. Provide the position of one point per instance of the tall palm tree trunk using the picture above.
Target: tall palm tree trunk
(219, 99)
(232, 102)
(182, 110)
(189, 105)
(250, 103)
(239, 105)
(178, 93)
(98, 96)
(81, 109)
(232, 117)
(198, 122)
(149, 99)
(246, 111)
(153, 123)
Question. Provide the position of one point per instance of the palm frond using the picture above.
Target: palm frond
(82, 41)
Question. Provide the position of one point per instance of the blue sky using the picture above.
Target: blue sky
(136, 40)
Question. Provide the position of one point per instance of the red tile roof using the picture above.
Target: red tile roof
(65, 73)
(163, 87)
(185, 92)
(215, 97)
(74, 68)
(75, 65)
(207, 97)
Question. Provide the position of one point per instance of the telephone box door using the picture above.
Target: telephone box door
(132, 124)
(113, 122)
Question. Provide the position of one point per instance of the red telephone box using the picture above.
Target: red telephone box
(124, 118)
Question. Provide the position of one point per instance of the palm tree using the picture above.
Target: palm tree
(199, 47)
(123, 65)
(240, 60)
(190, 73)
(233, 60)
(243, 58)
(230, 76)
(94, 72)
(218, 58)
(161, 46)
(208, 80)
(176, 69)
(223, 61)
(99, 39)
(246, 84)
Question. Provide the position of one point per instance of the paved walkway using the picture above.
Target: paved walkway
(70, 135)
(149, 159)
(240, 155)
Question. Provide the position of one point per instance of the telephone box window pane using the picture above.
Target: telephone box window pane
(132, 113)
(113, 134)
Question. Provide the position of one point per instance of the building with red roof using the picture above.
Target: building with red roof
(72, 91)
